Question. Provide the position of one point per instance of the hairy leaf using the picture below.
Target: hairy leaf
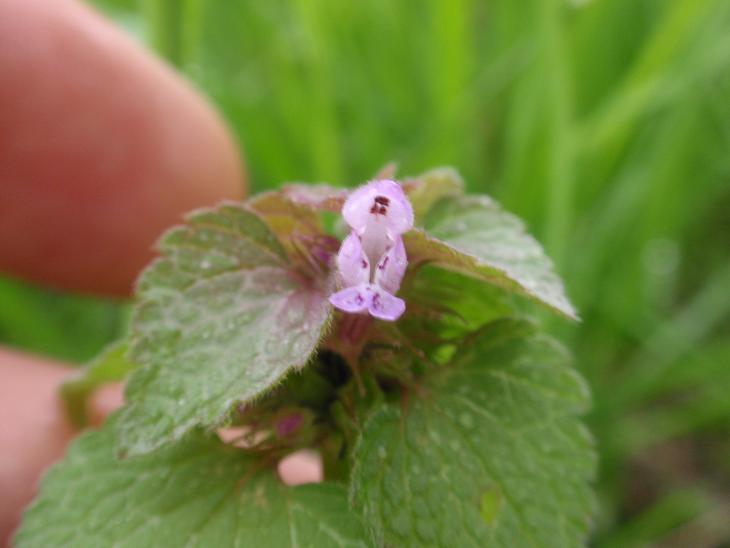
(444, 306)
(286, 217)
(475, 236)
(487, 451)
(222, 317)
(431, 187)
(198, 492)
(319, 197)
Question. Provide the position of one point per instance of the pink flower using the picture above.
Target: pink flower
(372, 259)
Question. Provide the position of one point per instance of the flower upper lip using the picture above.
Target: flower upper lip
(387, 195)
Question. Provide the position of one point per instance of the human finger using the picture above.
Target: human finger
(102, 147)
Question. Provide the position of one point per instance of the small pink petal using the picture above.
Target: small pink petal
(385, 306)
(239, 436)
(353, 299)
(383, 199)
(391, 267)
(400, 212)
(304, 466)
(356, 210)
(352, 262)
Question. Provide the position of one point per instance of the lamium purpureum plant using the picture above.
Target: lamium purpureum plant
(392, 340)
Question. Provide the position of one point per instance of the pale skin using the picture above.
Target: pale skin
(101, 148)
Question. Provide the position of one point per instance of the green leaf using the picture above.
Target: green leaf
(299, 228)
(475, 236)
(486, 451)
(317, 197)
(222, 317)
(286, 217)
(444, 307)
(431, 187)
(110, 366)
(198, 492)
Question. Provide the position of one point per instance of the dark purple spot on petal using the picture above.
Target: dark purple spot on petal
(380, 206)
(364, 264)
(383, 263)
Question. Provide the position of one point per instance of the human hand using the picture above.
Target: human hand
(101, 148)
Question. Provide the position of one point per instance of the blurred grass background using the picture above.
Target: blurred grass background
(604, 123)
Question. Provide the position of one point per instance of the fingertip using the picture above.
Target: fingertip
(104, 402)
(34, 430)
(102, 148)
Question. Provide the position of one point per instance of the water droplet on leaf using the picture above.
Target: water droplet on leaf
(466, 420)
(490, 504)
